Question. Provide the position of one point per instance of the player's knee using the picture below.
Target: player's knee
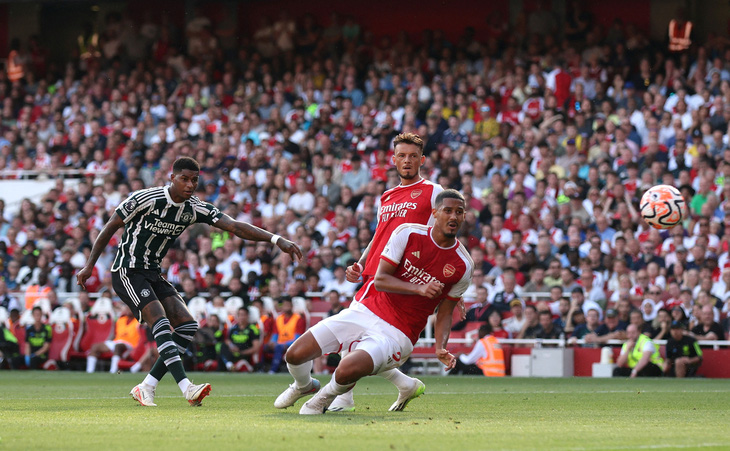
(351, 371)
(347, 374)
(295, 355)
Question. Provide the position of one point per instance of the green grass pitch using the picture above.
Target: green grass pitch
(63, 410)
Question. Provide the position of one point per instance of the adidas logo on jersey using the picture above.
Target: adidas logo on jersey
(416, 254)
(156, 212)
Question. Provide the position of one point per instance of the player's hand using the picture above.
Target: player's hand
(82, 276)
(462, 309)
(431, 290)
(290, 248)
(353, 272)
(446, 358)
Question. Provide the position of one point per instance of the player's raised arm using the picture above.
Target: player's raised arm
(106, 234)
(253, 233)
(442, 329)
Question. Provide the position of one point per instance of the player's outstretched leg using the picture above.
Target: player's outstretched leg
(356, 365)
(299, 359)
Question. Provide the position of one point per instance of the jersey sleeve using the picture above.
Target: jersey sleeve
(132, 205)
(436, 190)
(396, 245)
(255, 333)
(206, 212)
(457, 291)
(648, 347)
(695, 350)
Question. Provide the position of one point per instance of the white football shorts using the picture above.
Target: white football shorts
(359, 328)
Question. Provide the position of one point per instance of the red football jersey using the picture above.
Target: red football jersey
(418, 259)
(400, 205)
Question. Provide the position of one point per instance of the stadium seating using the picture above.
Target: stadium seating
(98, 329)
(26, 318)
(233, 303)
(254, 315)
(197, 308)
(61, 340)
(269, 306)
(299, 305)
(136, 354)
(103, 307)
(19, 331)
(45, 306)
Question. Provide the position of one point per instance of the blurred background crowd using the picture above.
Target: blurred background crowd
(551, 126)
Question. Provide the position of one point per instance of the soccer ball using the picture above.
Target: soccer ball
(663, 207)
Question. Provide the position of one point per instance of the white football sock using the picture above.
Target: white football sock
(301, 373)
(115, 364)
(184, 384)
(90, 364)
(151, 381)
(398, 379)
(335, 389)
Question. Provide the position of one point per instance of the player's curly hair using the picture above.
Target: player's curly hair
(409, 138)
(185, 163)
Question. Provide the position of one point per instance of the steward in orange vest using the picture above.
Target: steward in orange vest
(485, 358)
(288, 327)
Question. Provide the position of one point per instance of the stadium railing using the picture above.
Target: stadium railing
(539, 342)
(50, 173)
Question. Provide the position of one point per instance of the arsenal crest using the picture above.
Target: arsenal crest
(415, 193)
(449, 270)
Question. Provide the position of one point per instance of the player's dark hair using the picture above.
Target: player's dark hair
(37, 308)
(448, 194)
(409, 138)
(185, 163)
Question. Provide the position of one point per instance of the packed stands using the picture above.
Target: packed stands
(552, 141)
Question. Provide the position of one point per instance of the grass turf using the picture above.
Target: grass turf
(64, 410)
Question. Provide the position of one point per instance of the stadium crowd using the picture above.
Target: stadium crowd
(552, 130)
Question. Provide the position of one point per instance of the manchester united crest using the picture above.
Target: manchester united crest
(449, 270)
(415, 193)
(186, 217)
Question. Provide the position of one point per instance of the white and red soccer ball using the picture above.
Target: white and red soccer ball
(663, 207)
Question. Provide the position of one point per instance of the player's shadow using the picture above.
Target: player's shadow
(363, 417)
